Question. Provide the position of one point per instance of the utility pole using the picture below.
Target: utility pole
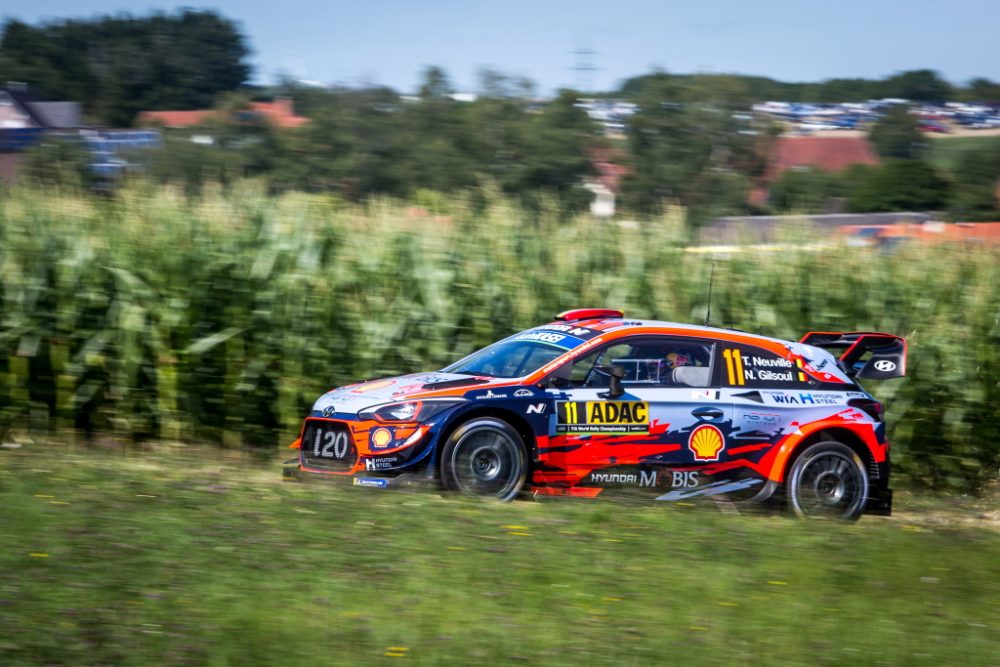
(583, 65)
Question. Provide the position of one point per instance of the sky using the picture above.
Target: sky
(390, 42)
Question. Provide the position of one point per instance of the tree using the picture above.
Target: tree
(921, 85)
(896, 135)
(982, 90)
(60, 163)
(901, 185)
(805, 191)
(694, 154)
(120, 65)
(435, 84)
(976, 180)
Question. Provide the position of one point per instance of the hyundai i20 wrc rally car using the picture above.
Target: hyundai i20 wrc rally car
(594, 403)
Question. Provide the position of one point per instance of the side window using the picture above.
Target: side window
(749, 366)
(660, 361)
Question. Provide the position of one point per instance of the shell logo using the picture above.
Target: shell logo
(706, 443)
(381, 437)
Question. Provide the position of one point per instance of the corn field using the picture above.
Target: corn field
(155, 316)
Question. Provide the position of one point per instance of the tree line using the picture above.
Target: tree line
(688, 143)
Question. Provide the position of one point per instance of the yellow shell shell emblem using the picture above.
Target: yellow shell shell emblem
(706, 443)
(381, 437)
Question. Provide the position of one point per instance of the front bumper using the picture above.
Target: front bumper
(292, 471)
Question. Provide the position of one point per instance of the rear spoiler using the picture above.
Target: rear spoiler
(867, 355)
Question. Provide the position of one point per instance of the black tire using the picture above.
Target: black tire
(485, 457)
(828, 480)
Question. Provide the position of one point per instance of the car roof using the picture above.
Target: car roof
(606, 325)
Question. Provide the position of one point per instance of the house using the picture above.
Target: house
(825, 153)
(24, 109)
(789, 153)
(280, 113)
(606, 185)
(25, 117)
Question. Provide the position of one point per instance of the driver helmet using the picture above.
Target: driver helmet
(678, 358)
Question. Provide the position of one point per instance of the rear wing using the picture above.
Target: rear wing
(867, 355)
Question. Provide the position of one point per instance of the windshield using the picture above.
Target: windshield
(507, 359)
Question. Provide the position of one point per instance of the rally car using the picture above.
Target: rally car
(595, 403)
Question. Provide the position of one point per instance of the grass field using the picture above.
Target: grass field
(189, 557)
(945, 152)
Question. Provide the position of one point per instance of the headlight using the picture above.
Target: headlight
(408, 411)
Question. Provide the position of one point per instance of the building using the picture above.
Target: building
(24, 109)
(831, 154)
(280, 113)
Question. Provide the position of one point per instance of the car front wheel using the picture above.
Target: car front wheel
(828, 480)
(485, 457)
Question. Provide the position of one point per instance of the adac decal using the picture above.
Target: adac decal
(706, 443)
(372, 386)
(382, 438)
(603, 417)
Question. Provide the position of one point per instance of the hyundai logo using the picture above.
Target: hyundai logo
(329, 410)
(885, 365)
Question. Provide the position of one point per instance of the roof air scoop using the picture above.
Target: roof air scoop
(588, 314)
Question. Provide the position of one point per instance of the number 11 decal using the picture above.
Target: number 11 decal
(734, 366)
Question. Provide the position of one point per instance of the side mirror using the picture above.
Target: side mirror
(615, 373)
(559, 382)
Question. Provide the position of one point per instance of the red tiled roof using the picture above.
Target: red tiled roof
(610, 170)
(279, 113)
(174, 118)
(826, 153)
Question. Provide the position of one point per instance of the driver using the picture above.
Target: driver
(678, 358)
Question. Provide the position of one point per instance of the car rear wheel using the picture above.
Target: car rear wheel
(485, 457)
(828, 480)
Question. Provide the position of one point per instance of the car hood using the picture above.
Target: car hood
(355, 397)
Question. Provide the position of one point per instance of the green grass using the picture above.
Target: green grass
(185, 557)
(946, 152)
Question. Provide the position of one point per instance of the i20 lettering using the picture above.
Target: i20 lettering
(330, 445)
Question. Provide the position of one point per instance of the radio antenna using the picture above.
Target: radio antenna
(708, 310)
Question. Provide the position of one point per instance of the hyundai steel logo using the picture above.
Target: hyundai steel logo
(885, 365)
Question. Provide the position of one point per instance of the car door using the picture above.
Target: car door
(669, 415)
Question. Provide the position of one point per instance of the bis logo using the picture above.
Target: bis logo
(706, 443)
